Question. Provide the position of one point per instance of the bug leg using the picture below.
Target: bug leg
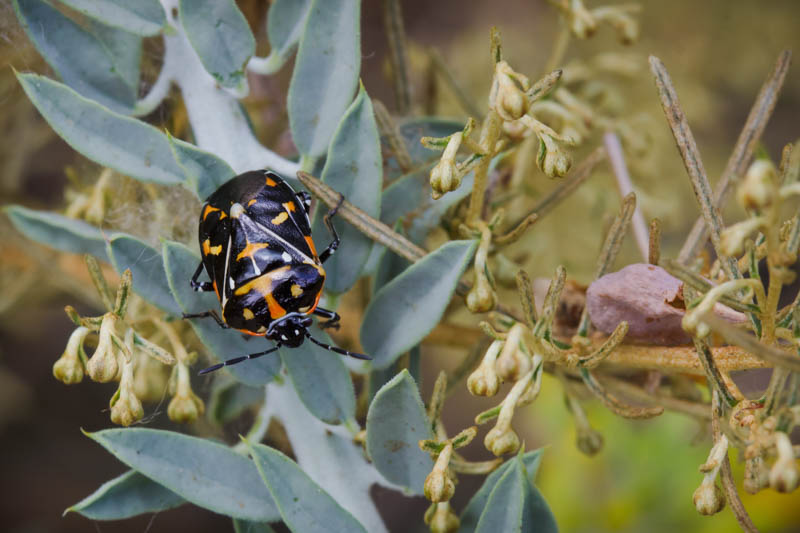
(327, 252)
(213, 314)
(338, 350)
(331, 316)
(236, 360)
(200, 286)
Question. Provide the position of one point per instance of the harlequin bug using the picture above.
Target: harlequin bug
(255, 240)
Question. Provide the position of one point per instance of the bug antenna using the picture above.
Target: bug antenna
(236, 360)
(338, 350)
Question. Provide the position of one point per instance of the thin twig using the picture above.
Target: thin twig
(613, 403)
(726, 475)
(388, 127)
(395, 34)
(743, 339)
(691, 160)
(654, 244)
(695, 409)
(617, 159)
(742, 152)
(682, 359)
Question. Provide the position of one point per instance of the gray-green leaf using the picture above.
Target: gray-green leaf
(285, 22)
(204, 171)
(472, 512)
(79, 58)
(147, 267)
(246, 526)
(124, 49)
(396, 422)
(142, 17)
(353, 168)
(404, 311)
(205, 473)
(180, 263)
(59, 232)
(325, 73)
(128, 495)
(113, 140)
(221, 37)
(304, 506)
(321, 379)
(229, 399)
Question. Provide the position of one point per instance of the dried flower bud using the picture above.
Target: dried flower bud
(784, 476)
(581, 22)
(444, 176)
(441, 518)
(501, 440)
(185, 406)
(589, 441)
(756, 476)
(758, 189)
(103, 365)
(708, 498)
(733, 237)
(69, 368)
(126, 408)
(626, 26)
(512, 363)
(150, 379)
(553, 160)
(481, 297)
(484, 381)
(507, 96)
(438, 485)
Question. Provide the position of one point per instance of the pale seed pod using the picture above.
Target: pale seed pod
(69, 368)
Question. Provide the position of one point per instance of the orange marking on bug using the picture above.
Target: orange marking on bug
(290, 206)
(260, 333)
(216, 290)
(280, 219)
(251, 202)
(271, 182)
(248, 314)
(210, 209)
(211, 250)
(310, 243)
(296, 289)
(264, 285)
(251, 249)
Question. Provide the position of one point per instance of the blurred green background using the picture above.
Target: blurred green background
(717, 52)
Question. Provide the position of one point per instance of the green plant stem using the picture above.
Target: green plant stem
(692, 161)
(388, 127)
(743, 151)
(490, 132)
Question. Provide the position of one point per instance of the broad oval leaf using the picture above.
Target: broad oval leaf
(229, 399)
(205, 473)
(221, 37)
(204, 171)
(128, 495)
(353, 168)
(142, 17)
(396, 422)
(304, 506)
(147, 267)
(246, 526)
(472, 512)
(405, 310)
(79, 58)
(285, 22)
(124, 49)
(325, 73)
(180, 264)
(113, 140)
(59, 232)
(321, 380)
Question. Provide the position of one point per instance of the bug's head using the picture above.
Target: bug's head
(291, 330)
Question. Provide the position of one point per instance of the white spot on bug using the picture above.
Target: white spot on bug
(283, 338)
(236, 210)
(296, 332)
(286, 257)
(230, 282)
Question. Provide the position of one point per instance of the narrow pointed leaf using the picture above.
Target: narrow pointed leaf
(113, 140)
(325, 73)
(180, 263)
(404, 311)
(59, 232)
(354, 169)
(221, 37)
(79, 58)
(506, 504)
(304, 506)
(321, 379)
(285, 22)
(472, 512)
(205, 473)
(147, 267)
(142, 17)
(128, 495)
(204, 171)
(396, 422)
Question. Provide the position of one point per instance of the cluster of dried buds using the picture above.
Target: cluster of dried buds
(124, 355)
(583, 22)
